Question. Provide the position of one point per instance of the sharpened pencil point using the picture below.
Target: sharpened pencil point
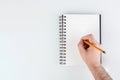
(104, 52)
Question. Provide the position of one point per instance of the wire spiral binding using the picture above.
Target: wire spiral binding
(62, 35)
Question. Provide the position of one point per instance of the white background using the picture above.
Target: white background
(29, 38)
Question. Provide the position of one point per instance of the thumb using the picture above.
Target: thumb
(81, 47)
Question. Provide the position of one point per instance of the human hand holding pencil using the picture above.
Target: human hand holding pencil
(90, 55)
(90, 50)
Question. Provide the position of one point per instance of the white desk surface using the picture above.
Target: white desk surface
(29, 38)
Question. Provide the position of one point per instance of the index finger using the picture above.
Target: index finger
(90, 38)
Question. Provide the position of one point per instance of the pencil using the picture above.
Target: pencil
(90, 44)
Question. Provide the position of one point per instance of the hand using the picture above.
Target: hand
(90, 55)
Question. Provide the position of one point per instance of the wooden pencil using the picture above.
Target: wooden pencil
(90, 44)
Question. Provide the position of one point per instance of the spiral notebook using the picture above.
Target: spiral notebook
(71, 28)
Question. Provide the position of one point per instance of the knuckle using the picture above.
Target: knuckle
(90, 34)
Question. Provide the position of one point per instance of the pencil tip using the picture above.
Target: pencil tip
(104, 52)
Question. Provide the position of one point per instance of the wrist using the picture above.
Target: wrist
(94, 68)
(91, 67)
(99, 73)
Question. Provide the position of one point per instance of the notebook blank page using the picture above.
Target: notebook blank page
(78, 25)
